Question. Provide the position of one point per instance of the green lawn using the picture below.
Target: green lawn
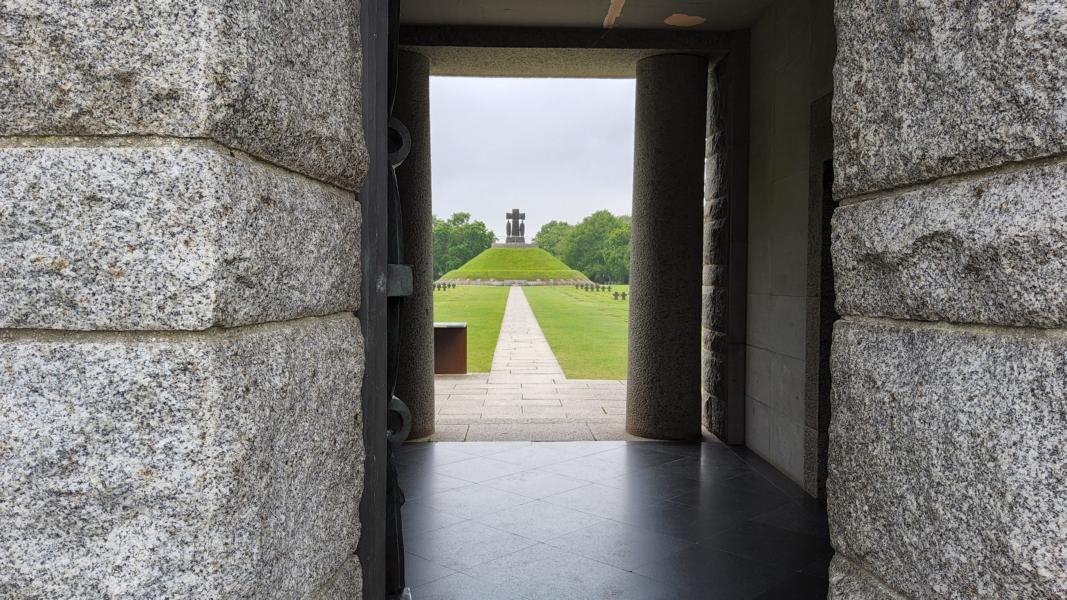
(530, 264)
(587, 330)
(482, 308)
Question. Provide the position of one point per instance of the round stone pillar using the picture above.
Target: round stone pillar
(663, 392)
(415, 369)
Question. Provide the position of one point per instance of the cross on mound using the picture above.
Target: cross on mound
(516, 226)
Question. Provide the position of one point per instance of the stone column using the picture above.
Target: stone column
(716, 408)
(415, 379)
(180, 364)
(949, 365)
(663, 394)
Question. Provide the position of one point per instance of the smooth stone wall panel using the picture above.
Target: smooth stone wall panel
(208, 465)
(948, 448)
(928, 89)
(990, 250)
(169, 235)
(280, 80)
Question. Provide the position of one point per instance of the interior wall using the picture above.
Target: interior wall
(792, 60)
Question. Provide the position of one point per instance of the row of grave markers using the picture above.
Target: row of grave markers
(596, 287)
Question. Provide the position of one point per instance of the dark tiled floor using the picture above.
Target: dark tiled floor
(606, 520)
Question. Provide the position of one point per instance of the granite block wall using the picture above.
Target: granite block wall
(949, 426)
(179, 270)
(716, 407)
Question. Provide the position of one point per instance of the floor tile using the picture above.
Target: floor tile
(473, 501)
(479, 469)
(737, 503)
(808, 518)
(465, 545)
(719, 575)
(535, 484)
(602, 501)
(419, 571)
(797, 587)
(419, 518)
(594, 468)
(631, 586)
(464, 587)
(729, 531)
(620, 545)
(771, 544)
(426, 481)
(681, 521)
(429, 455)
(535, 456)
(545, 572)
(541, 521)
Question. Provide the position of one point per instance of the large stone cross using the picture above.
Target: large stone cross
(514, 217)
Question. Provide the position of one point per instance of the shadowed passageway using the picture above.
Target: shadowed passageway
(610, 520)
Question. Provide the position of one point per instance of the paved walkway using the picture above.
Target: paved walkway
(526, 396)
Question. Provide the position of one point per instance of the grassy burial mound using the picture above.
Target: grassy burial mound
(515, 264)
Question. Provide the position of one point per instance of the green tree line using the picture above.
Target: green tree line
(599, 246)
(457, 240)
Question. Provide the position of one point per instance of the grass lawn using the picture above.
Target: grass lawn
(586, 330)
(530, 264)
(482, 308)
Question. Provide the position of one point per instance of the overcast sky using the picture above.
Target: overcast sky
(553, 148)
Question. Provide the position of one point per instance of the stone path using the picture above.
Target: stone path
(526, 396)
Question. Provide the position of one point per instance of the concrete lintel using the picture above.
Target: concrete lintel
(553, 51)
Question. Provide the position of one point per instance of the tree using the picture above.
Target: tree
(458, 240)
(551, 235)
(599, 246)
(616, 253)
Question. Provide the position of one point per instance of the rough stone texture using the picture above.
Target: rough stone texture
(415, 368)
(927, 89)
(990, 249)
(183, 235)
(947, 458)
(715, 406)
(663, 393)
(847, 582)
(345, 584)
(280, 80)
(208, 465)
(820, 312)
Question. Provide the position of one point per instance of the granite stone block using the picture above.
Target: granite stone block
(947, 458)
(713, 308)
(279, 80)
(928, 89)
(346, 583)
(847, 582)
(192, 465)
(170, 235)
(990, 249)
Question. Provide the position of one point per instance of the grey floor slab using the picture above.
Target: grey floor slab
(677, 521)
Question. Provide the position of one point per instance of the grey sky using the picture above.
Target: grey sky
(555, 148)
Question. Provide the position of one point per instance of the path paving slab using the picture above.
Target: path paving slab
(526, 395)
